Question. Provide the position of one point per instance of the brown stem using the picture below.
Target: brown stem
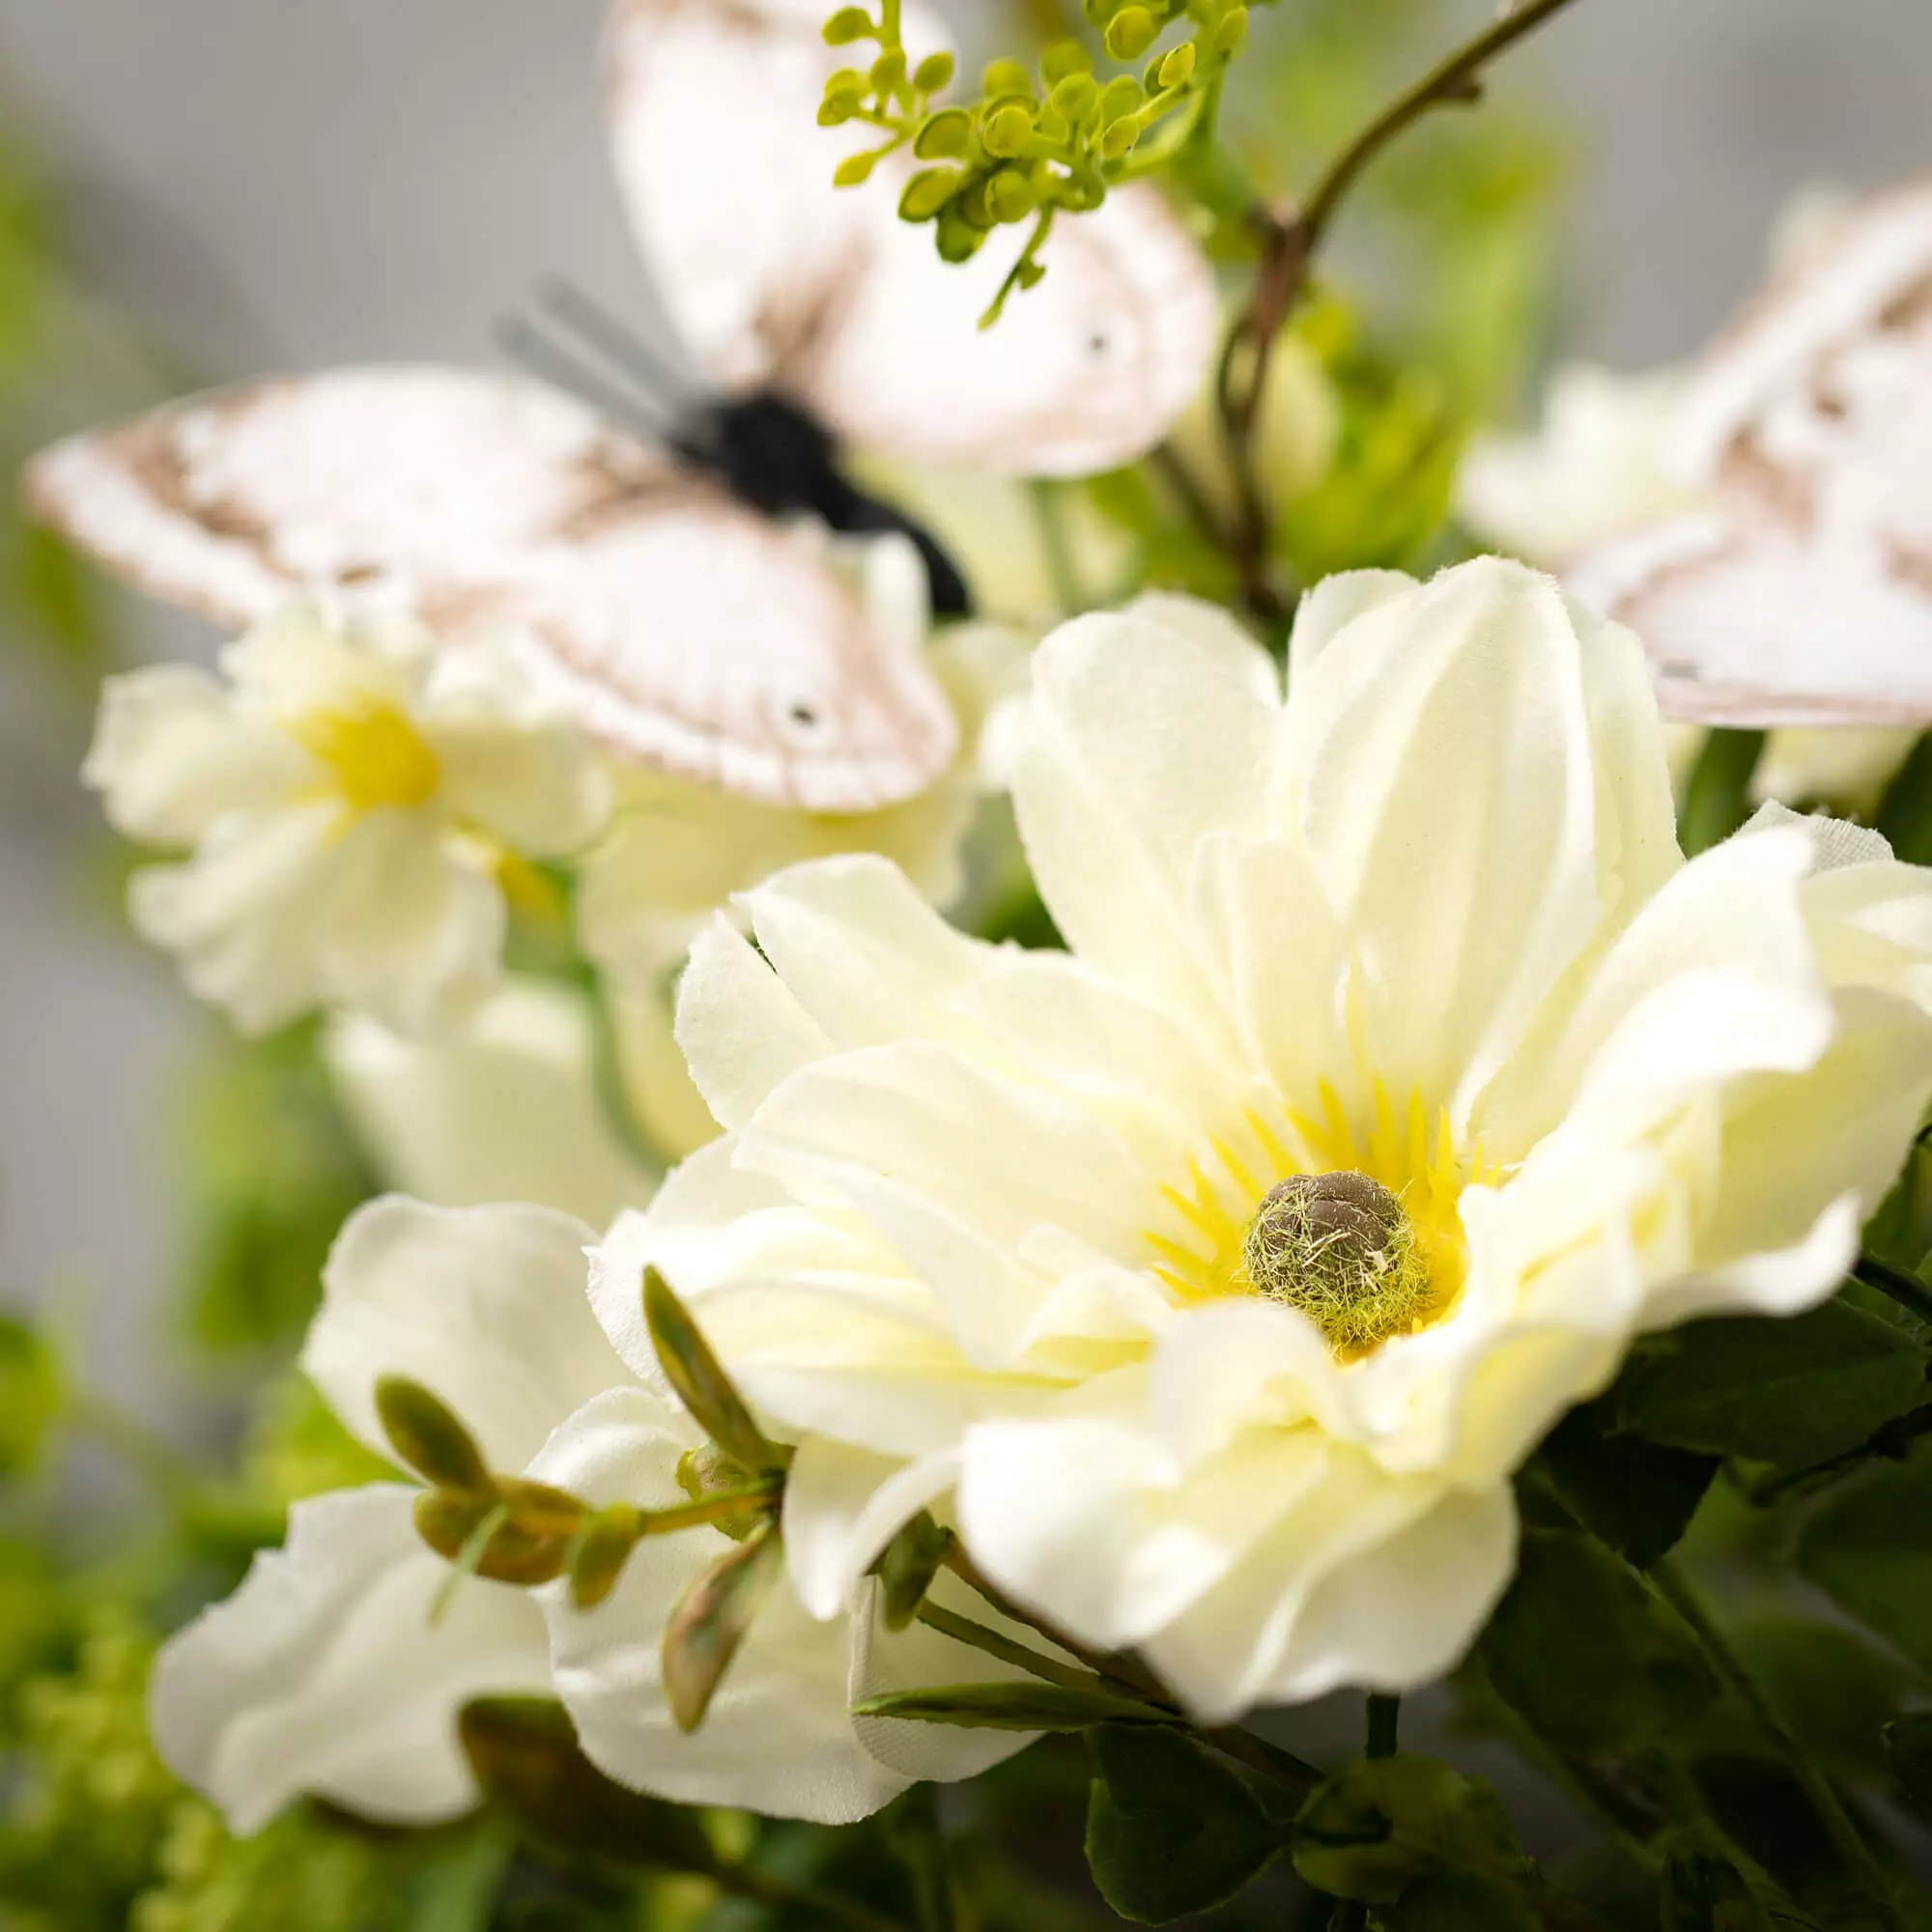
(1290, 236)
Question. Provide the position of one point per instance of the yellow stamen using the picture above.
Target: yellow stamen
(373, 753)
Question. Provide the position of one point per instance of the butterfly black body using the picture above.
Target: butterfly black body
(775, 456)
(777, 459)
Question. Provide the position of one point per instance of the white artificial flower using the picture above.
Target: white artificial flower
(679, 850)
(328, 1673)
(502, 1105)
(1596, 464)
(351, 799)
(1029, 1235)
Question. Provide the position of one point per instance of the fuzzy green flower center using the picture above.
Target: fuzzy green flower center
(1340, 1248)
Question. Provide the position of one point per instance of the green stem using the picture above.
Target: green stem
(1717, 795)
(1060, 566)
(1908, 1291)
(963, 1630)
(709, 1509)
(1844, 1835)
(607, 1073)
(1127, 1673)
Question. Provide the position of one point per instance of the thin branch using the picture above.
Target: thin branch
(1845, 1838)
(1290, 236)
(1908, 1291)
(1454, 81)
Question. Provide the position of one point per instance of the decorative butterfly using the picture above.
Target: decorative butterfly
(623, 537)
(1800, 592)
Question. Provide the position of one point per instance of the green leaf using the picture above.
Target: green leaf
(1459, 1902)
(912, 1559)
(1764, 1811)
(1905, 812)
(1009, 1707)
(1907, 1750)
(1170, 1828)
(1836, 1691)
(1789, 1392)
(528, 1760)
(427, 1437)
(33, 1393)
(1587, 1656)
(1867, 1547)
(711, 1619)
(1703, 1893)
(1717, 796)
(700, 1384)
(1381, 1822)
(1635, 1495)
(603, 1548)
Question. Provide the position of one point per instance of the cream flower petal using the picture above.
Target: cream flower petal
(502, 1106)
(743, 1029)
(1331, 605)
(298, 661)
(1140, 740)
(484, 1306)
(324, 1674)
(1090, 1520)
(1222, 1654)
(1404, 1611)
(1805, 1161)
(779, 1738)
(1415, 740)
(842, 1505)
(248, 913)
(538, 787)
(172, 755)
(417, 932)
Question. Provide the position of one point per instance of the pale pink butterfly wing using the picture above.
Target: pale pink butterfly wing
(676, 626)
(1803, 594)
(774, 277)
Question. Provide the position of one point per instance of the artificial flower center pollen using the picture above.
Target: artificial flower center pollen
(375, 754)
(1340, 1248)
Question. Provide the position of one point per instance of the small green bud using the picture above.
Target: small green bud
(1116, 141)
(849, 24)
(932, 73)
(430, 1439)
(602, 1550)
(1099, 12)
(1006, 77)
(517, 1552)
(888, 70)
(1176, 67)
(853, 169)
(835, 111)
(711, 1620)
(1122, 95)
(1131, 33)
(928, 192)
(958, 237)
(1074, 97)
(943, 136)
(1063, 58)
(1010, 197)
(700, 1384)
(847, 84)
(1006, 131)
(1231, 36)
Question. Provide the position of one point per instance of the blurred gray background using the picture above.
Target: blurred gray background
(285, 182)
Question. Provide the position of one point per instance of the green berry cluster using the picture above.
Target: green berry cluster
(1034, 143)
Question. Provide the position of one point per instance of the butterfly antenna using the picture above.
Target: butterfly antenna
(550, 362)
(622, 348)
